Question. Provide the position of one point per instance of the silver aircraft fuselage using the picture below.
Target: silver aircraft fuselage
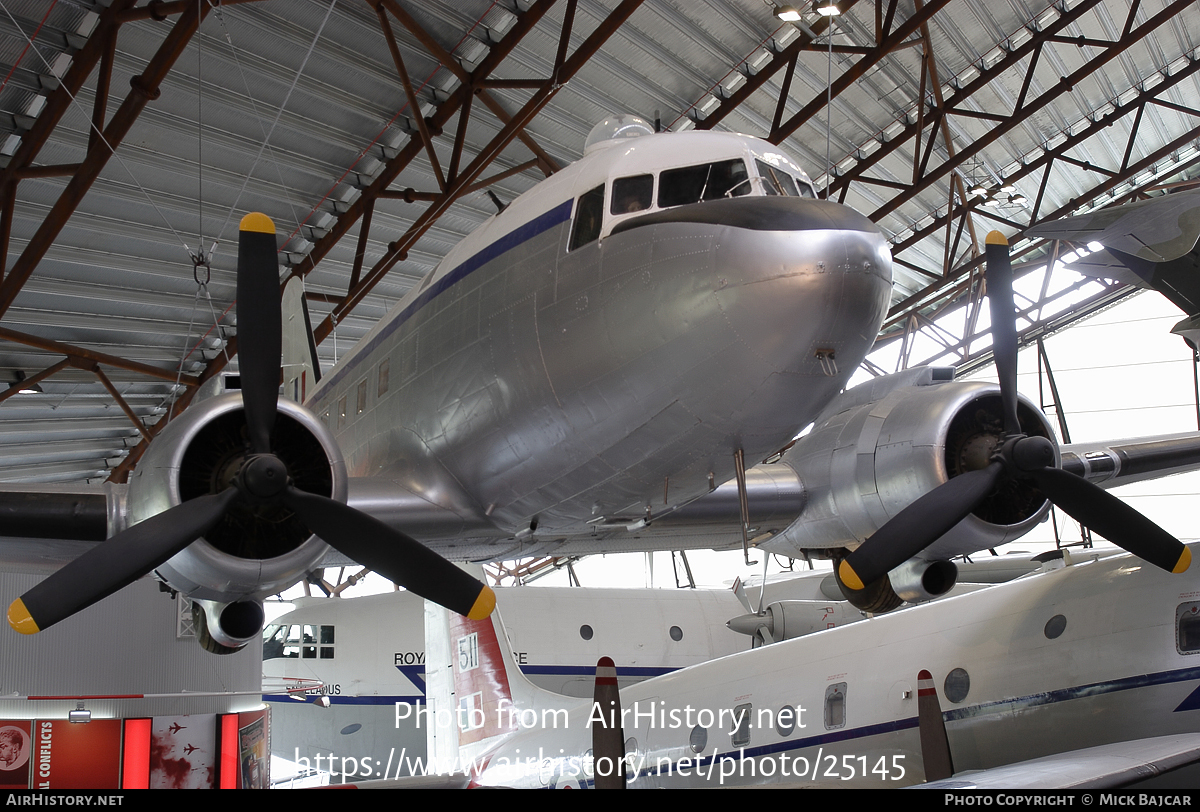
(539, 380)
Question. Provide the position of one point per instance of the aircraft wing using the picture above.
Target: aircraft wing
(1145, 244)
(1157, 230)
(1124, 462)
(77, 516)
(1108, 766)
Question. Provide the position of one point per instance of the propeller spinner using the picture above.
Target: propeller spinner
(262, 483)
(1017, 456)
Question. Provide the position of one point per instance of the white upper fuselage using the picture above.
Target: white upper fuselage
(574, 363)
(1096, 652)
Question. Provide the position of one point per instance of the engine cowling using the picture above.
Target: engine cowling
(883, 444)
(247, 556)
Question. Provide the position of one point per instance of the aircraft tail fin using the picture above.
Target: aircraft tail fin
(301, 368)
(475, 690)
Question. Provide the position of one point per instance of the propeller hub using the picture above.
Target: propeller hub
(264, 476)
(1033, 453)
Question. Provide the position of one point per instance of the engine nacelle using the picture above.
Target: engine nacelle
(246, 557)
(787, 620)
(883, 444)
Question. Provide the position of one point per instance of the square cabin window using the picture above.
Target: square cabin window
(362, 397)
(384, 369)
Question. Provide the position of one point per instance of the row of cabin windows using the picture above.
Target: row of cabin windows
(338, 418)
(784, 721)
(298, 641)
(679, 187)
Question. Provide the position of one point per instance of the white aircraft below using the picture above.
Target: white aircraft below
(1088, 651)
(365, 655)
(335, 669)
(595, 369)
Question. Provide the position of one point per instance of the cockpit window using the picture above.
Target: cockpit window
(588, 216)
(632, 194)
(776, 181)
(692, 184)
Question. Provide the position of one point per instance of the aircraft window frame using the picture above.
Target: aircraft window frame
(677, 186)
(1187, 628)
(274, 637)
(776, 182)
(361, 398)
(785, 721)
(385, 368)
(698, 739)
(835, 706)
(292, 642)
(341, 409)
(957, 685)
(633, 190)
(739, 735)
(308, 648)
(589, 218)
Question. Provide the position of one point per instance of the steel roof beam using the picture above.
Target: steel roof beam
(925, 297)
(1021, 114)
(91, 356)
(783, 58)
(145, 88)
(858, 70)
(985, 78)
(396, 251)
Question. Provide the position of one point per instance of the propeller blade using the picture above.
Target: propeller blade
(1110, 517)
(1004, 325)
(259, 327)
(392, 554)
(117, 562)
(917, 526)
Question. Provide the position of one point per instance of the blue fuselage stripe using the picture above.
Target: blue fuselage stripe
(957, 714)
(543, 222)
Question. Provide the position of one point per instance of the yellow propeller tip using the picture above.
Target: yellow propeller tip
(256, 221)
(996, 238)
(1185, 561)
(20, 619)
(484, 604)
(849, 576)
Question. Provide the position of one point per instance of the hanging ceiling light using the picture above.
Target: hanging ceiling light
(979, 190)
(22, 387)
(787, 13)
(827, 8)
